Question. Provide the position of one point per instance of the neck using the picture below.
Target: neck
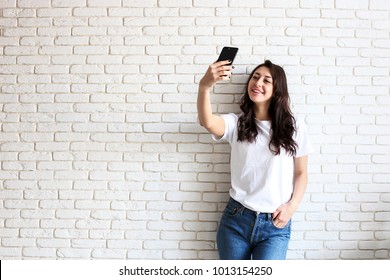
(261, 112)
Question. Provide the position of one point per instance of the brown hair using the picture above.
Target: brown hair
(282, 119)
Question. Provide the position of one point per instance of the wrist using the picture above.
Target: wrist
(204, 88)
(293, 205)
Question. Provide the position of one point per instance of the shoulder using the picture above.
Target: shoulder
(230, 127)
(232, 115)
(302, 138)
(299, 123)
(230, 118)
(300, 128)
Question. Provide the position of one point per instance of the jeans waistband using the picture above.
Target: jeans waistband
(235, 203)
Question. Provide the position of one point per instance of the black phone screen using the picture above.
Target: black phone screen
(228, 53)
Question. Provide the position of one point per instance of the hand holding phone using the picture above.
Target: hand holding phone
(221, 72)
(228, 53)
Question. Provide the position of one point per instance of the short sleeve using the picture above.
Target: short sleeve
(230, 127)
(302, 139)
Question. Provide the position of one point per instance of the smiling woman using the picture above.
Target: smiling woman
(267, 98)
(269, 152)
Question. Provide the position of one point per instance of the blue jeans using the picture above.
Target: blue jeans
(244, 234)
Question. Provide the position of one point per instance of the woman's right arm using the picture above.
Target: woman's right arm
(217, 71)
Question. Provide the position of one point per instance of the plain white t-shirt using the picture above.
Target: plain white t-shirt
(260, 180)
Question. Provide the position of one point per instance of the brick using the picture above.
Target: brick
(379, 5)
(104, 3)
(108, 253)
(345, 4)
(74, 253)
(39, 252)
(33, 4)
(124, 244)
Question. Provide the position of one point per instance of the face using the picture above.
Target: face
(260, 86)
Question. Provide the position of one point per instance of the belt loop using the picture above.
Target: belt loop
(269, 216)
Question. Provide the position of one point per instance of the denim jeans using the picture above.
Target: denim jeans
(244, 234)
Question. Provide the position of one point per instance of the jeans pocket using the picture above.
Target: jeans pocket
(233, 209)
(287, 226)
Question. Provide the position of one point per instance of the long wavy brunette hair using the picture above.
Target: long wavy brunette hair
(282, 119)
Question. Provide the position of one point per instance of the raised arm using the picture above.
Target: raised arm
(217, 71)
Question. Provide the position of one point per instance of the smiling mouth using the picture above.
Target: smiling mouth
(257, 92)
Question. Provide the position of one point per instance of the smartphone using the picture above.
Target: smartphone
(228, 53)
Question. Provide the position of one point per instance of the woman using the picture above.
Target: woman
(269, 155)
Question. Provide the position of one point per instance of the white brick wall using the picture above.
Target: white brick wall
(101, 152)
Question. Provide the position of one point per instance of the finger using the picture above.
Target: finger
(276, 223)
(224, 73)
(221, 63)
(226, 67)
(275, 214)
(214, 68)
(224, 78)
(221, 71)
(279, 224)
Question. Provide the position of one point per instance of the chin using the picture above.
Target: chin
(259, 98)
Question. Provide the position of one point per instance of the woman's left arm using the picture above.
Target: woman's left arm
(284, 213)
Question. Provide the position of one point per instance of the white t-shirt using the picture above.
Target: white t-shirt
(260, 180)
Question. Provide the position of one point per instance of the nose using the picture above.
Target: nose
(259, 82)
